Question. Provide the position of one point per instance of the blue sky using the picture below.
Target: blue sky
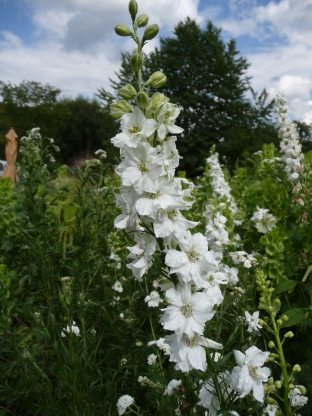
(71, 44)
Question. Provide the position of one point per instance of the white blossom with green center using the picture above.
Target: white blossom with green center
(193, 261)
(135, 127)
(187, 312)
(250, 374)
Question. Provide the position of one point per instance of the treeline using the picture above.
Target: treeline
(206, 78)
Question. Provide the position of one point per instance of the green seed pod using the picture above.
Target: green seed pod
(122, 30)
(127, 92)
(133, 9)
(142, 20)
(136, 61)
(157, 80)
(119, 108)
(142, 100)
(150, 32)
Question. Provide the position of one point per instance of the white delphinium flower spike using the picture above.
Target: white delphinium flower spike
(249, 375)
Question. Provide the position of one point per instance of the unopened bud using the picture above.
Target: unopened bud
(157, 80)
(297, 368)
(302, 389)
(119, 108)
(133, 9)
(142, 100)
(271, 401)
(127, 92)
(271, 344)
(289, 334)
(136, 61)
(142, 20)
(279, 322)
(150, 32)
(139, 344)
(285, 318)
(277, 301)
(278, 384)
(122, 30)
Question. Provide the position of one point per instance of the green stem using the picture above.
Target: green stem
(215, 378)
(283, 365)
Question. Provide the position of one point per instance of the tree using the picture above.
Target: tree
(78, 126)
(208, 80)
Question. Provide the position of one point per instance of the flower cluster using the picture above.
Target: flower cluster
(218, 236)
(289, 145)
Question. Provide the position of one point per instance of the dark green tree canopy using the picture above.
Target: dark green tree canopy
(208, 79)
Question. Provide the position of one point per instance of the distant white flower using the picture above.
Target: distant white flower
(297, 399)
(162, 345)
(173, 384)
(123, 403)
(101, 153)
(153, 299)
(271, 409)
(249, 375)
(252, 321)
(264, 222)
(73, 329)
(151, 359)
(117, 286)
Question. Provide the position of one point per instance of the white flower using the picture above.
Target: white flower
(250, 374)
(264, 222)
(271, 409)
(190, 353)
(173, 384)
(162, 345)
(142, 253)
(140, 168)
(151, 359)
(252, 321)
(187, 312)
(117, 286)
(192, 260)
(153, 299)
(123, 403)
(166, 118)
(73, 329)
(135, 127)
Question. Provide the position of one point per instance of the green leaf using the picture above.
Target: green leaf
(270, 249)
(284, 286)
(295, 316)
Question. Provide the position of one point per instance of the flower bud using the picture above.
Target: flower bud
(271, 344)
(136, 61)
(278, 384)
(271, 401)
(297, 368)
(119, 108)
(302, 389)
(122, 30)
(157, 80)
(289, 334)
(279, 322)
(285, 318)
(142, 20)
(150, 32)
(127, 92)
(133, 9)
(142, 100)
